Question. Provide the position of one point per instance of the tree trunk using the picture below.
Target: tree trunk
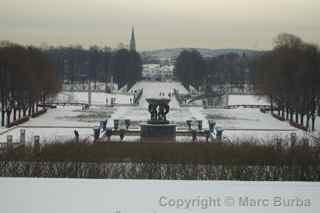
(271, 104)
(282, 112)
(14, 114)
(44, 101)
(301, 119)
(8, 118)
(32, 109)
(2, 117)
(313, 122)
(2, 108)
(3, 112)
(308, 121)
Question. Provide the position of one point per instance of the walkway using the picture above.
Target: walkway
(177, 114)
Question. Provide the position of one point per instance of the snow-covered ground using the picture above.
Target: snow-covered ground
(247, 100)
(50, 195)
(247, 123)
(60, 123)
(244, 118)
(240, 123)
(177, 114)
(153, 90)
(97, 98)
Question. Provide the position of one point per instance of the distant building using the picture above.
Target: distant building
(166, 72)
(156, 72)
(132, 44)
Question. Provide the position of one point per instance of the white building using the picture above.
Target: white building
(157, 72)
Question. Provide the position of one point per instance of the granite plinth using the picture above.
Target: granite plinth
(158, 132)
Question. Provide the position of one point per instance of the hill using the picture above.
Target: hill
(163, 54)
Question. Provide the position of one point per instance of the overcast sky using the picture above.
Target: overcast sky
(248, 24)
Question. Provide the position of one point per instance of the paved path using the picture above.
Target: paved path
(177, 114)
(153, 90)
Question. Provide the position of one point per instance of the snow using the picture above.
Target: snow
(97, 98)
(59, 124)
(153, 89)
(250, 124)
(50, 135)
(53, 195)
(178, 115)
(240, 123)
(139, 115)
(244, 118)
(247, 100)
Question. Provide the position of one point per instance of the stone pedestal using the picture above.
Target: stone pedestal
(158, 132)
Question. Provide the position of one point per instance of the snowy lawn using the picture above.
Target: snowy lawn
(247, 100)
(49, 135)
(97, 98)
(50, 126)
(139, 115)
(244, 118)
(59, 124)
(251, 124)
(38, 195)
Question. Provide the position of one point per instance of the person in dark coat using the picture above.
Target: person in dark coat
(76, 134)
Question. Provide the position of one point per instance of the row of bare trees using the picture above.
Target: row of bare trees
(27, 79)
(77, 65)
(232, 69)
(290, 76)
(74, 64)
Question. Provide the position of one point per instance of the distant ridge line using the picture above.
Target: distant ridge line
(205, 52)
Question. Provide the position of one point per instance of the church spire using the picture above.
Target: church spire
(132, 46)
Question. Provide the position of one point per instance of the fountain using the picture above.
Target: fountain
(158, 128)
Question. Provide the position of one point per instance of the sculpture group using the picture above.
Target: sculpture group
(158, 108)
